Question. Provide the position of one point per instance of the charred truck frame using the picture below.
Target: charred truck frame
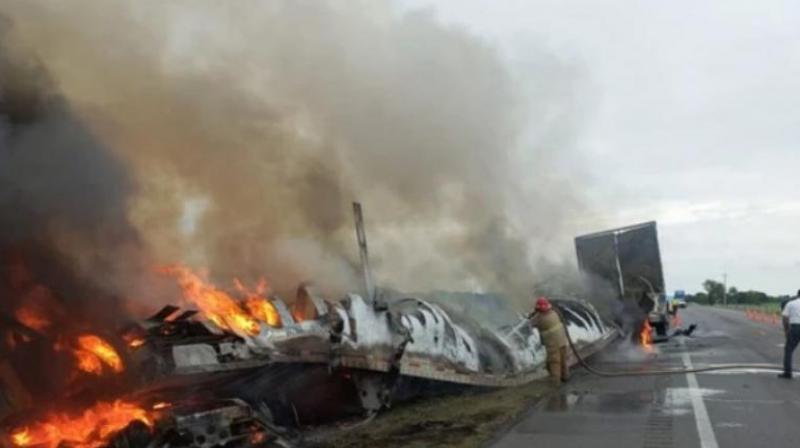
(191, 382)
(626, 262)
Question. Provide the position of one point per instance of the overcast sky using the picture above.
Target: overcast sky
(694, 121)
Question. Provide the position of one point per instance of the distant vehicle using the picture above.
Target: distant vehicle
(628, 260)
(679, 299)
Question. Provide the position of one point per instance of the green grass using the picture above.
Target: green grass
(457, 421)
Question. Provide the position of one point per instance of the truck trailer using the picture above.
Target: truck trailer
(626, 262)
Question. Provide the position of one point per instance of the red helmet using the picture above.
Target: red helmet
(542, 304)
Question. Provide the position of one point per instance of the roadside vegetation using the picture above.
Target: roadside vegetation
(457, 421)
(714, 294)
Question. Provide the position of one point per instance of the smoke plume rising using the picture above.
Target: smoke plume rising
(234, 135)
(63, 199)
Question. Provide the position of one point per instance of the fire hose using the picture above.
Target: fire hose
(676, 371)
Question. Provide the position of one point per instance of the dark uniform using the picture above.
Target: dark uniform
(791, 328)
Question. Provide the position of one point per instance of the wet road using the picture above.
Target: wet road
(705, 410)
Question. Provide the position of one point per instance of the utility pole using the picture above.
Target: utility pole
(724, 288)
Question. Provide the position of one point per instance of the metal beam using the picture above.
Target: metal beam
(361, 237)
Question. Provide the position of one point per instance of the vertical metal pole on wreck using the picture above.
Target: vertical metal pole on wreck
(361, 236)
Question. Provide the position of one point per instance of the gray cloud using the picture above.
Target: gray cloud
(697, 106)
(270, 117)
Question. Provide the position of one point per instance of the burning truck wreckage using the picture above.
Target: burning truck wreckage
(237, 366)
(241, 368)
(221, 366)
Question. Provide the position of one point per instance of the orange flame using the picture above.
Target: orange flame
(263, 310)
(88, 362)
(216, 305)
(91, 429)
(257, 305)
(134, 339)
(646, 336)
(258, 438)
(222, 309)
(261, 288)
(161, 405)
(93, 352)
(32, 318)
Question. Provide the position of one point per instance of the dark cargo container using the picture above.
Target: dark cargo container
(628, 260)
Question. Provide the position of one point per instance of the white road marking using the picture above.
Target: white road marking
(704, 428)
(730, 425)
(732, 400)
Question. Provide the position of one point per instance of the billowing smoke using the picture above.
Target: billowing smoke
(248, 127)
(64, 230)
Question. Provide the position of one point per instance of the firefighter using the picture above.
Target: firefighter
(554, 339)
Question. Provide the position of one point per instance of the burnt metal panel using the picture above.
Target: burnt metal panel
(361, 237)
(640, 260)
(597, 256)
(164, 313)
(627, 258)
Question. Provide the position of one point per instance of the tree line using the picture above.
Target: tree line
(714, 293)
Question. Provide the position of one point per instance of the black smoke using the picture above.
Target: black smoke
(63, 197)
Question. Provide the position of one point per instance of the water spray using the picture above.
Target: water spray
(660, 372)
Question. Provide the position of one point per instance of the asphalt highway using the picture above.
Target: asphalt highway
(705, 410)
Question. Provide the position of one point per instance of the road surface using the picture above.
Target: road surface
(704, 410)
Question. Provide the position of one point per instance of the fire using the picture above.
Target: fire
(646, 336)
(88, 362)
(256, 303)
(257, 438)
(22, 438)
(221, 308)
(161, 405)
(32, 318)
(261, 288)
(263, 310)
(216, 305)
(134, 339)
(91, 429)
(93, 352)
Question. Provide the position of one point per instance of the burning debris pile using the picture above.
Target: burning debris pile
(242, 368)
(93, 427)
